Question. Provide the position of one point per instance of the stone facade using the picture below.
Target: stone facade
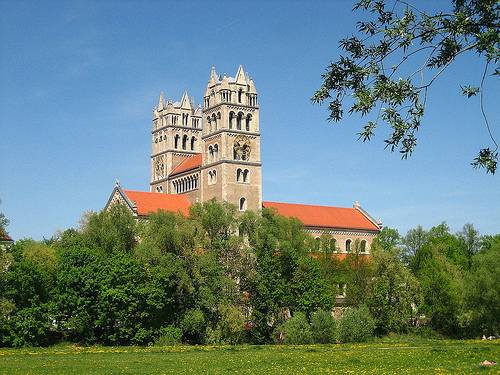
(226, 134)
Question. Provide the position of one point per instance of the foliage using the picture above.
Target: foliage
(324, 327)
(296, 330)
(4, 222)
(399, 53)
(221, 278)
(111, 231)
(442, 288)
(356, 325)
(394, 293)
(482, 291)
(169, 335)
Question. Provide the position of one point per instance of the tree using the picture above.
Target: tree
(442, 289)
(4, 222)
(483, 291)
(413, 242)
(401, 51)
(394, 292)
(471, 241)
(112, 230)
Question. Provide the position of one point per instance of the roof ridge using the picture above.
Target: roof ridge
(310, 205)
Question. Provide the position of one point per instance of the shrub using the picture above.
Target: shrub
(193, 324)
(32, 326)
(231, 324)
(356, 325)
(323, 327)
(169, 335)
(296, 330)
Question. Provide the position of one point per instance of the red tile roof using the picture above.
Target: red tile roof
(324, 216)
(147, 202)
(191, 162)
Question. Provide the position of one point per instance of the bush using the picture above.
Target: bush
(193, 324)
(296, 330)
(32, 326)
(169, 335)
(356, 325)
(231, 324)
(323, 327)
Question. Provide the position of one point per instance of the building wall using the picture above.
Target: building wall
(341, 236)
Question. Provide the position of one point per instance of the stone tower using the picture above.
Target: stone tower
(176, 135)
(231, 170)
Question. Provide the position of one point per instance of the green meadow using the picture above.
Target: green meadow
(386, 356)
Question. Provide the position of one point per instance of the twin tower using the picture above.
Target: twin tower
(210, 152)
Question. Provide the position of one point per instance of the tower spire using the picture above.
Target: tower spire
(161, 101)
(240, 76)
(185, 103)
(213, 75)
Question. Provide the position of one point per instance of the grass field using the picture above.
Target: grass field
(386, 356)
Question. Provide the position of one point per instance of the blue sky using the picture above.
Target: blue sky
(78, 81)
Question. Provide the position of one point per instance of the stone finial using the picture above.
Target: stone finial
(117, 183)
(213, 75)
(356, 204)
(161, 101)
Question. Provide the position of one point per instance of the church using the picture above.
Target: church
(212, 151)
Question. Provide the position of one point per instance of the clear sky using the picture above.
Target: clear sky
(78, 80)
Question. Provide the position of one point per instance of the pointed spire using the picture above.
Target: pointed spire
(185, 103)
(213, 76)
(240, 76)
(161, 101)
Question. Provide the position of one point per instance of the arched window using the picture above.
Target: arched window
(248, 122)
(218, 124)
(333, 245)
(238, 120)
(348, 246)
(245, 175)
(231, 117)
(214, 174)
(214, 121)
(209, 122)
(176, 141)
(238, 175)
(216, 152)
(243, 204)
(193, 140)
(363, 246)
(210, 154)
(184, 141)
(240, 94)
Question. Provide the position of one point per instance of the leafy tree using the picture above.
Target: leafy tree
(112, 230)
(483, 291)
(470, 240)
(358, 276)
(413, 242)
(311, 291)
(394, 293)
(399, 52)
(388, 238)
(442, 288)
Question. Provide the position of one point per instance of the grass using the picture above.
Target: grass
(385, 356)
